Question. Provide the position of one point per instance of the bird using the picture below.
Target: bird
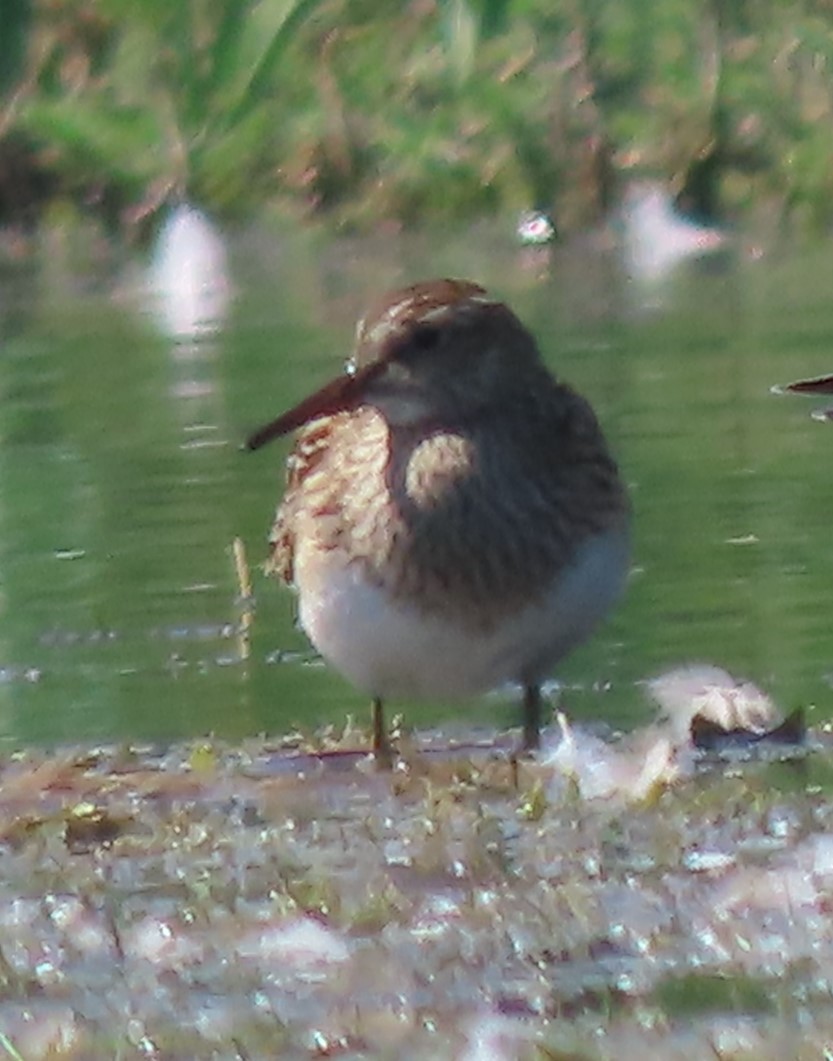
(535, 228)
(453, 518)
(814, 385)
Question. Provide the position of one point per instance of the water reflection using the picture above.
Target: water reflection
(16, 282)
(657, 237)
(122, 488)
(189, 283)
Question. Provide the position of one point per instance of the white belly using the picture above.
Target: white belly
(390, 650)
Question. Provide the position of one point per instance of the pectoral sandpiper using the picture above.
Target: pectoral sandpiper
(453, 519)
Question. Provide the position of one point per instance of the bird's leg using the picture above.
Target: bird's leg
(380, 745)
(532, 717)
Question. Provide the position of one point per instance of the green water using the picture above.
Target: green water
(122, 484)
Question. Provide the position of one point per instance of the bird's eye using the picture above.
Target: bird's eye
(425, 336)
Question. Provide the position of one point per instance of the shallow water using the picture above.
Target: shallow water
(122, 485)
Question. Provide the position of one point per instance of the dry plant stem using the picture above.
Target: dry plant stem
(244, 589)
(10, 1048)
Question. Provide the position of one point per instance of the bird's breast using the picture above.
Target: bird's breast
(389, 646)
(450, 523)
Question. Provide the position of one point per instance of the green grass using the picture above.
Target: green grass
(364, 111)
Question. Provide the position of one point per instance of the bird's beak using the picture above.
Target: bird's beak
(343, 392)
(819, 385)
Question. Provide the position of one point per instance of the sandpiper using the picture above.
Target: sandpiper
(453, 519)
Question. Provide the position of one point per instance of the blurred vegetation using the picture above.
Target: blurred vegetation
(414, 110)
